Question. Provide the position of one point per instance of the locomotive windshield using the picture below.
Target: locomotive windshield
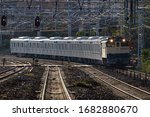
(117, 42)
(110, 44)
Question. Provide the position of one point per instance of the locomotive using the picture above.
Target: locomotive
(106, 50)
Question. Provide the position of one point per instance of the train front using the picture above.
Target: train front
(118, 52)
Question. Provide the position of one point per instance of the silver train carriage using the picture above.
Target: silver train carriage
(102, 50)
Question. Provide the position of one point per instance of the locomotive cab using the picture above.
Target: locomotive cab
(116, 51)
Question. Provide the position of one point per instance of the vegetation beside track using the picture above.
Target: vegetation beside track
(146, 61)
(84, 87)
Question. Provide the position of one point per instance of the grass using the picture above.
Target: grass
(146, 66)
(29, 74)
(83, 84)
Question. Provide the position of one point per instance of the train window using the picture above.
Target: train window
(65, 46)
(30, 45)
(21, 44)
(37, 45)
(51, 46)
(124, 44)
(58, 46)
(73, 46)
(109, 44)
(70, 46)
(34, 45)
(45, 45)
(76, 47)
(17, 44)
(48, 45)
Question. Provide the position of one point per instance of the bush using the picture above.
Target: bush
(83, 84)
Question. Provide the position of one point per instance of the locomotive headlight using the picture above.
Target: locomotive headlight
(123, 40)
(111, 40)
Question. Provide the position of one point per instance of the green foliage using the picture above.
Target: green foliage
(146, 60)
(92, 33)
(29, 75)
(115, 32)
(83, 84)
(145, 54)
(146, 66)
(83, 33)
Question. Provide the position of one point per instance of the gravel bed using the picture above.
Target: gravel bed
(25, 86)
(130, 80)
(84, 87)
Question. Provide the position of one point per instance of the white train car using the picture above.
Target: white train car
(102, 49)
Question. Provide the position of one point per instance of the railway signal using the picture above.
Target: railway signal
(3, 20)
(37, 21)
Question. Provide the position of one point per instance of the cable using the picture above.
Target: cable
(56, 5)
(80, 4)
(29, 3)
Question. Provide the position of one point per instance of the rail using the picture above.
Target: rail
(63, 85)
(123, 87)
(45, 76)
(6, 75)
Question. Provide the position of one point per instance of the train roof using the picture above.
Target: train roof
(61, 39)
(81, 38)
(40, 37)
(55, 38)
(24, 37)
(68, 38)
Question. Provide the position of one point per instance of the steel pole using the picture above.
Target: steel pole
(69, 18)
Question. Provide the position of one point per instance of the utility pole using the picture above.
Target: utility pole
(140, 36)
(97, 27)
(130, 8)
(69, 17)
(121, 20)
(39, 13)
(1, 4)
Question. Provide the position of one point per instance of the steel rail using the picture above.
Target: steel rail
(12, 73)
(65, 91)
(133, 96)
(45, 83)
(63, 85)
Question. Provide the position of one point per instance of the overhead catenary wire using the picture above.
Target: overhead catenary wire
(29, 3)
(56, 6)
(80, 4)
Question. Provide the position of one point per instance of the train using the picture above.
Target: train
(105, 50)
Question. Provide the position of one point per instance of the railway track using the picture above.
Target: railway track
(54, 87)
(130, 91)
(6, 70)
(5, 75)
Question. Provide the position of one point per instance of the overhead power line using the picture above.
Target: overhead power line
(29, 3)
(80, 4)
